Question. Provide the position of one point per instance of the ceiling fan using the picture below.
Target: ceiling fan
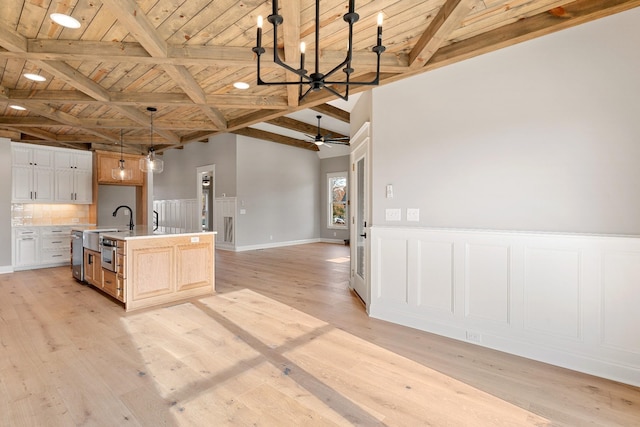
(320, 139)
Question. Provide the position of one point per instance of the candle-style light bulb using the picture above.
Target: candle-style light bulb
(380, 17)
(380, 29)
(302, 48)
(259, 35)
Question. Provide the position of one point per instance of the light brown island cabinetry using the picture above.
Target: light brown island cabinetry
(159, 269)
(92, 268)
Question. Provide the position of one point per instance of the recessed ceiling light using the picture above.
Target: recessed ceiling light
(35, 77)
(241, 85)
(17, 107)
(65, 20)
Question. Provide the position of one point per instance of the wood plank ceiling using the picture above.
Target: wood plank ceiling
(183, 56)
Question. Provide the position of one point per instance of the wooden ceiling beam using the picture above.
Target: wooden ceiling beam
(331, 111)
(298, 126)
(33, 121)
(70, 76)
(574, 13)
(65, 118)
(138, 99)
(274, 137)
(448, 18)
(227, 56)
(128, 13)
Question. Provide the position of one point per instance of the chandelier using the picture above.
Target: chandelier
(150, 163)
(317, 80)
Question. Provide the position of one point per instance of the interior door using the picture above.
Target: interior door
(360, 217)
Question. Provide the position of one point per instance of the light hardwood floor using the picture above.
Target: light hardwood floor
(284, 342)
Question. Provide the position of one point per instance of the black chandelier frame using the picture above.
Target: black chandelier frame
(317, 80)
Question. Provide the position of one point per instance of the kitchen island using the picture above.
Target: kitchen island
(149, 269)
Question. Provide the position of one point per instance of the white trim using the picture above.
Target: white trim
(275, 245)
(4, 269)
(329, 200)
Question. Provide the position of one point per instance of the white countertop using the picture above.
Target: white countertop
(146, 234)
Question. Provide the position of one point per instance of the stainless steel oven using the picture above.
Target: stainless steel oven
(109, 254)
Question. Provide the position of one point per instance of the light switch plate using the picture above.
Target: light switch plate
(413, 214)
(243, 211)
(393, 214)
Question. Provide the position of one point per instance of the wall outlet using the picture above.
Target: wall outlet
(393, 214)
(474, 336)
(413, 214)
(270, 237)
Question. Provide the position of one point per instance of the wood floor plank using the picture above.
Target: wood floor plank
(284, 342)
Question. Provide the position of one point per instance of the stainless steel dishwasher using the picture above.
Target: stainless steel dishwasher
(77, 255)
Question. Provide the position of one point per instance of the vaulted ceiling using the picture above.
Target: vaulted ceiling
(183, 56)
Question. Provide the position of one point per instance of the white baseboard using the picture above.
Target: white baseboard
(336, 241)
(275, 245)
(4, 269)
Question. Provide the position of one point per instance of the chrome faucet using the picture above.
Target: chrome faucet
(130, 214)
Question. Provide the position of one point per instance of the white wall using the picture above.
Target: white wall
(278, 187)
(539, 136)
(5, 203)
(178, 180)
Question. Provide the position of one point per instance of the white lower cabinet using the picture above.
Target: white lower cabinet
(39, 247)
(25, 248)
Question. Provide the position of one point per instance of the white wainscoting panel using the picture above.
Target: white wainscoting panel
(620, 301)
(179, 215)
(435, 276)
(394, 272)
(565, 299)
(487, 282)
(553, 273)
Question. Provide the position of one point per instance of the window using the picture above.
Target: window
(337, 198)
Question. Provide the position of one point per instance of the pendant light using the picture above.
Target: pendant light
(121, 172)
(151, 163)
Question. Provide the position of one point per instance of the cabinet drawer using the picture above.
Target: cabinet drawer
(56, 256)
(26, 232)
(62, 232)
(55, 243)
(113, 284)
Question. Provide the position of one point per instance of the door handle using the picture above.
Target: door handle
(364, 235)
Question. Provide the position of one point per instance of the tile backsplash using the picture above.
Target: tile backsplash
(42, 214)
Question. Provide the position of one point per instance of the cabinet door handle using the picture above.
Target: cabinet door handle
(35, 194)
(57, 242)
(107, 281)
(27, 238)
(54, 256)
(31, 195)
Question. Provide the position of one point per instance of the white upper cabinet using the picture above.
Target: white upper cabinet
(49, 175)
(73, 177)
(32, 174)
